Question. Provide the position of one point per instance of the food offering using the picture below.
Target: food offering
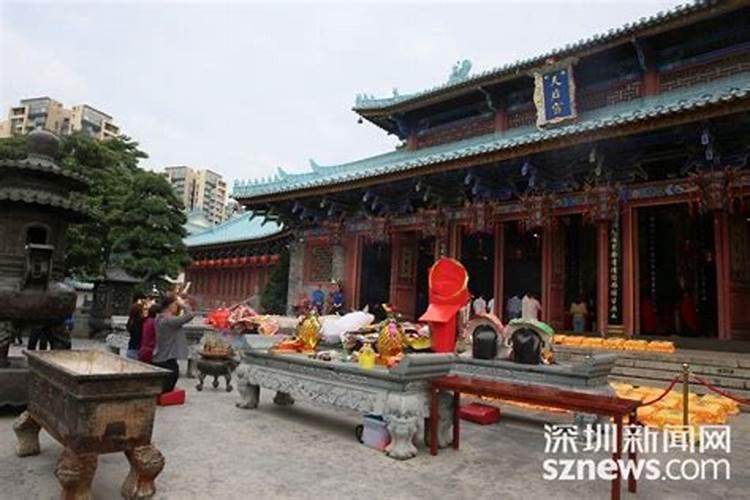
(308, 332)
(615, 343)
(709, 409)
(391, 338)
(242, 319)
(366, 357)
(214, 346)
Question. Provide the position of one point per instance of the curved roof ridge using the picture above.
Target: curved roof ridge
(717, 91)
(240, 228)
(364, 102)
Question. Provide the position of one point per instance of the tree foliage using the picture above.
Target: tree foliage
(273, 298)
(136, 219)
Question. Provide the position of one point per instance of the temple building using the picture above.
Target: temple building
(613, 169)
(232, 261)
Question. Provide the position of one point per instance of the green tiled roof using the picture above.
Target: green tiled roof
(645, 108)
(365, 102)
(240, 228)
(45, 167)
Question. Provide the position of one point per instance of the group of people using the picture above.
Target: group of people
(331, 303)
(156, 334)
(527, 307)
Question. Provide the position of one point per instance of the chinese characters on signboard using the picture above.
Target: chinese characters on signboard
(554, 95)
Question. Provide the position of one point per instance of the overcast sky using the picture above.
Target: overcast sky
(242, 87)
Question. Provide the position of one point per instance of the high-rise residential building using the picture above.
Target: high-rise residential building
(49, 114)
(202, 190)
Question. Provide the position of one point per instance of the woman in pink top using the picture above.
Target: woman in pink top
(148, 337)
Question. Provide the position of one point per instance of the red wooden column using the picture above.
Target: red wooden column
(547, 273)
(455, 232)
(499, 269)
(721, 244)
(628, 253)
(602, 277)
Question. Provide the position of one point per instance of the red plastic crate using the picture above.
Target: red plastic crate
(479, 413)
(176, 397)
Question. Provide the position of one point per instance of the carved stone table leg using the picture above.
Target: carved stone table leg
(27, 433)
(445, 428)
(146, 462)
(75, 471)
(249, 393)
(402, 421)
(283, 399)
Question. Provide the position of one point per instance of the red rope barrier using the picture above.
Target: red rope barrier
(664, 394)
(715, 389)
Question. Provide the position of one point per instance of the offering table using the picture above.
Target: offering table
(400, 394)
(93, 402)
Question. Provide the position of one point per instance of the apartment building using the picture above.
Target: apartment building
(49, 114)
(200, 189)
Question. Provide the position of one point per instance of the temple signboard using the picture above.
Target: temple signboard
(554, 94)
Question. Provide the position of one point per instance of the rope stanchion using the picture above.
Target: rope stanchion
(663, 395)
(715, 389)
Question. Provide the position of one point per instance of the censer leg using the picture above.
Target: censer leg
(75, 471)
(283, 399)
(146, 462)
(27, 433)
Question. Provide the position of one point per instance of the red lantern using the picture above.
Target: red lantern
(243, 261)
(254, 260)
(226, 262)
(264, 260)
(210, 263)
(274, 259)
(235, 261)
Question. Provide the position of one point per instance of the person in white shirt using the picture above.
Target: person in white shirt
(530, 307)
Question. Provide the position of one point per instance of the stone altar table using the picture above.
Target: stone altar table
(401, 394)
(93, 402)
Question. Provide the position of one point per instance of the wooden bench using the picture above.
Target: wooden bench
(607, 406)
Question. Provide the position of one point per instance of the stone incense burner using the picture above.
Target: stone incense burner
(93, 402)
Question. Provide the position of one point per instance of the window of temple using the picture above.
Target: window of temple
(36, 235)
(319, 268)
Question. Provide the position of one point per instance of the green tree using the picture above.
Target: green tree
(111, 166)
(273, 297)
(149, 236)
(136, 220)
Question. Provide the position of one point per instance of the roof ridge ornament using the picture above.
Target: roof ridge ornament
(460, 71)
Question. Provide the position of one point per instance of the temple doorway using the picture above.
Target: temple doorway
(677, 272)
(579, 246)
(425, 259)
(375, 275)
(522, 266)
(478, 257)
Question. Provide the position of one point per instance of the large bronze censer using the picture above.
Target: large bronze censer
(93, 402)
(35, 210)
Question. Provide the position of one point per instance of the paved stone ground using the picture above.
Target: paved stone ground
(216, 451)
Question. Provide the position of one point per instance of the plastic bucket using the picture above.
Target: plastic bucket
(444, 335)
